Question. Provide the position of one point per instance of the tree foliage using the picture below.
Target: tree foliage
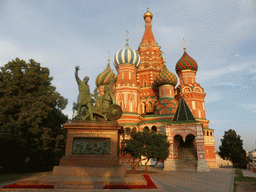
(232, 149)
(150, 145)
(30, 113)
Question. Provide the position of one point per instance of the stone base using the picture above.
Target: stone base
(170, 165)
(202, 166)
(90, 161)
(89, 171)
(81, 182)
(212, 164)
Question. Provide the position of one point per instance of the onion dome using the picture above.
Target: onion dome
(186, 62)
(148, 14)
(126, 55)
(105, 77)
(165, 77)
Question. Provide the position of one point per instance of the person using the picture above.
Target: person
(84, 97)
(107, 98)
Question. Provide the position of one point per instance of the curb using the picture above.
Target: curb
(232, 184)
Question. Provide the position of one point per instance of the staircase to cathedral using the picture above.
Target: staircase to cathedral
(187, 160)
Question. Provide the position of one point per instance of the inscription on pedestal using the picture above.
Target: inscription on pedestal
(98, 146)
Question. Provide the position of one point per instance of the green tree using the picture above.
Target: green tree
(30, 115)
(232, 149)
(150, 145)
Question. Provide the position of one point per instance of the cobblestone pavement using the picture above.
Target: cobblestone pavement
(167, 181)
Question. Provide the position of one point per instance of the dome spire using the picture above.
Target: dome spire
(164, 59)
(148, 37)
(127, 39)
(108, 57)
(184, 45)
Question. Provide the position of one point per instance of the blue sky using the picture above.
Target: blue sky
(219, 35)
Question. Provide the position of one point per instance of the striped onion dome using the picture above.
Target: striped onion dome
(105, 77)
(126, 55)
(165, 77)
(186, 62)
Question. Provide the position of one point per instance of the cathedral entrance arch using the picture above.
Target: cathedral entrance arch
(185, 152)
(154, 128)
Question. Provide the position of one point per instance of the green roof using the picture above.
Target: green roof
(183, 113)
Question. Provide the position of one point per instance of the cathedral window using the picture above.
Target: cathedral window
(199, 114)
(150, 105)
(131, 107)
(144, 84)
(193, 105)
(143, 107)
(127, 130)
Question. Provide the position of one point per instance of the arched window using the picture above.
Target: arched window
(143, 107)
(150, 105)
(199, 114)
(144, 84)
(127, 130)
(146, 128)
(131, 106)
(134, 130)
(193, 105)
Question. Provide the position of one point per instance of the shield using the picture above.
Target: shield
(114, 112)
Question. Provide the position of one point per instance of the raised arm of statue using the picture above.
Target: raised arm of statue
(78, 80)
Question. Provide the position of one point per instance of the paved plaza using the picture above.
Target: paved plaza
(216, 180)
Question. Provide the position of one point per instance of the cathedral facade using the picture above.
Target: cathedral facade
(150, 99)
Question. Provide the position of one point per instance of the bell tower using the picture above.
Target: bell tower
(151, 65)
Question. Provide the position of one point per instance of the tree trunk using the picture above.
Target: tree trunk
(137, 164)
(146, 166)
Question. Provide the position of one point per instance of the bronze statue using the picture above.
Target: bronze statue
(84, 97)
(105, 106)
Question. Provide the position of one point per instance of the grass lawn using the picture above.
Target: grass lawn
(14, 176)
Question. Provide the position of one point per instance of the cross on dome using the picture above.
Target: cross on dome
(127, 38)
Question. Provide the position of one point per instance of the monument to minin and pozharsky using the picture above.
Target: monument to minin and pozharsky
(92, 146)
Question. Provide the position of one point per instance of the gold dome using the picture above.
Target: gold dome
(148, 14)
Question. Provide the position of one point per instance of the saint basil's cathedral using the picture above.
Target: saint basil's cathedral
(147, 93)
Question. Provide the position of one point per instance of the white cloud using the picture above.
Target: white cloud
(215, 73)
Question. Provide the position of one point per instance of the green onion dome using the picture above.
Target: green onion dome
(105, 77)
(165, 77)
(186, 62)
